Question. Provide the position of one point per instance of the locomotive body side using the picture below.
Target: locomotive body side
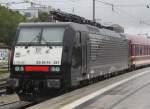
(109, 53)
(100, 53)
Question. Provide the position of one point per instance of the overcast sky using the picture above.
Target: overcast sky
(131, 14)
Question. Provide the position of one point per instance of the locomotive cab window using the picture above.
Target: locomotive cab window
(42, 35)
(53, 34)
(29, 35)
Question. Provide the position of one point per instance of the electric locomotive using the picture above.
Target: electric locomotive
(62, 55)
(57, 56)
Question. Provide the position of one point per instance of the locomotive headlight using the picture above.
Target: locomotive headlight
(21, 68)
(17, 68)
(55, 69)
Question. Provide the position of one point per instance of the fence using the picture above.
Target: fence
(4, 59)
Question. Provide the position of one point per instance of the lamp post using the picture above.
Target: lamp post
(94, 10)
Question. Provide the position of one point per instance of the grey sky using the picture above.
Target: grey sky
(135, 19)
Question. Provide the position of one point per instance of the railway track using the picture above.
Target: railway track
(3, 84)
(17, 105)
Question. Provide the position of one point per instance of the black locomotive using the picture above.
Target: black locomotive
(63, 55)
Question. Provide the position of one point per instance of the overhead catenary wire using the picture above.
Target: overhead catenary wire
(110, 4)
(131, 5)
(106, 3)
(116, 7)
(140, 21)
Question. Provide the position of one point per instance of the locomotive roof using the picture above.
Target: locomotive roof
(76, 27)
(43, 23)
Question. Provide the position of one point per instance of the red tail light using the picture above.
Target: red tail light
(36, 68)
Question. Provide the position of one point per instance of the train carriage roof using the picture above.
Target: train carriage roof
(142, 40)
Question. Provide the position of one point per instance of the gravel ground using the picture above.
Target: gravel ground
(6, 99)
(4, 75)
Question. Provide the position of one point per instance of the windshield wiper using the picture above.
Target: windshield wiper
(36, 39)
(44, 40)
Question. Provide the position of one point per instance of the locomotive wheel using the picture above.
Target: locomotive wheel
(27, 97)
(24, 97)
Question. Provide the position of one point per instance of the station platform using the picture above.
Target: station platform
(127, 91)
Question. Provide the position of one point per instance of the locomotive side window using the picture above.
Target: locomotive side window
(78, 38)
(29, 35)
(53, 34)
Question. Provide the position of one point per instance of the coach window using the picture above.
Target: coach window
(145, 49)
(138, 50)
(146, 52)
(148, 49)
(132, 50)
(135, 50)
(141, 51)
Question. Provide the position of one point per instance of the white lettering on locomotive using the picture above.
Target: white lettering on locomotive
(41, 55)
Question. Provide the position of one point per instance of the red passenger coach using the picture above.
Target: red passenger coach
(139, 50)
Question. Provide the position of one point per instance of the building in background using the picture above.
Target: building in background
(33, 12)
(4, 54)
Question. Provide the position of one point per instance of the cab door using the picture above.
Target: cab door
(84, 53)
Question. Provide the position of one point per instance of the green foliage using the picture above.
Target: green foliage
(33, 20)
(43, 17)
(8, 24)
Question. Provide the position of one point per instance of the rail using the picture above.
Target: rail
(3, 85)
(17, 105)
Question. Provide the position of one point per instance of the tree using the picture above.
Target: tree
(43, 17)
(8, 24)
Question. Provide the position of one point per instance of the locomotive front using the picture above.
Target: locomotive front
(37, 64)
